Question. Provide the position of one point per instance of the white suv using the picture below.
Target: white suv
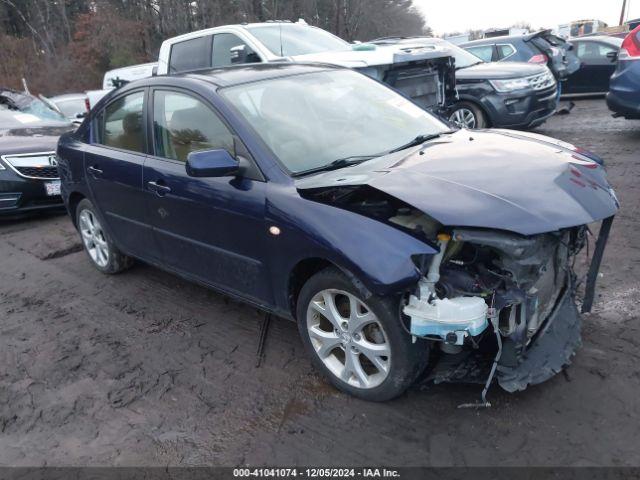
(424, 73)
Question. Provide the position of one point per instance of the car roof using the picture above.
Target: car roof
(232, 27)
(484, 41)
(240, 74)
(599, 38)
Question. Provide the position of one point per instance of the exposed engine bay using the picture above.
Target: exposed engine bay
(493, 304)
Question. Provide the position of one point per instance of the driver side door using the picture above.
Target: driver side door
(211, 229)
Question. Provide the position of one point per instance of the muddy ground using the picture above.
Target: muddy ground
(143, 368)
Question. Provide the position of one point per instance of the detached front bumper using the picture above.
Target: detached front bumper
(550, 351)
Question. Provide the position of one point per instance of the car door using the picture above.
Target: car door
(114, 161)
(212, 229)
(596, 67)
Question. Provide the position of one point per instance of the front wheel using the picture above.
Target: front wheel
(357, 343)
(467, 115)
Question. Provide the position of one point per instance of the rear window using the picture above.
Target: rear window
(190, 55)
(483, 52)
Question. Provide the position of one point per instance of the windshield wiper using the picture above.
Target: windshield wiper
(419, 140)
(339, 163)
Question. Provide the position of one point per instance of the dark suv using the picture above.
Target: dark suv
(542, 48)
(514, 95)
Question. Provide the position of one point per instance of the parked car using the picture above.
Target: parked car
(541, 47)
(116, 78)
(425, 75)
(513, 95)
(318, 194)
(624, 87)
(29, 132)
(71, 105)
(598, 55)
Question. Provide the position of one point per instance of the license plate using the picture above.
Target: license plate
(52, 188)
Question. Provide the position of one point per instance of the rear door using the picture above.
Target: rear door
(212, 229)
(113, 162)
(596, 67)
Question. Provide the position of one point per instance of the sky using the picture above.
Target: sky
(461, 15)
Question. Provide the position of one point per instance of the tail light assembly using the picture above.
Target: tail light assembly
(539, 59)
(630, 48)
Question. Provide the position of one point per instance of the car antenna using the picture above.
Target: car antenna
(281, 54)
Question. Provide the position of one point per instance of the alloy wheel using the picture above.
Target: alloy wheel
(93, 238)
(463, 117)
(348, 338)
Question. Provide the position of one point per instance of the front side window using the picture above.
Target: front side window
(289, 40)
(483, 52)
(122, 123)
(190, 55)
(313, 119)
(183, 124)
(228, 49)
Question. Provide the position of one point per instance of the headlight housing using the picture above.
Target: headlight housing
(510, 84)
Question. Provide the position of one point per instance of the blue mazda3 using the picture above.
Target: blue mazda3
(320, 195)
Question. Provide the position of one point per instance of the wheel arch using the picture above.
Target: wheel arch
(300, 273)
(74, 199)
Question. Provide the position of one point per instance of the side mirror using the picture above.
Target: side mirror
(81, 114)
(613, 56)
(211, 163)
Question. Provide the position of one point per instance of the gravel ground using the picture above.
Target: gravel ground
(144, 368)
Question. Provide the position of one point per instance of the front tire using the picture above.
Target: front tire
(357, 343)
(103, 253)
(467, 115)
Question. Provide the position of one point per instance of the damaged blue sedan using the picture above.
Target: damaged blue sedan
(400, 246)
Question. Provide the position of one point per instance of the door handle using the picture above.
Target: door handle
(159, 188)
(95, 172)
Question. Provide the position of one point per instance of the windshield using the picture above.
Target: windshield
(314, 119)
(288, 40)
(27, 109)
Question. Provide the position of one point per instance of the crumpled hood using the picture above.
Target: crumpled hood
(27, 140)
(505, 180)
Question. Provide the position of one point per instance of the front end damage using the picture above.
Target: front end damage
(499, 299)
(492, 295)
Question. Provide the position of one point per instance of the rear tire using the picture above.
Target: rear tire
(101, 250)
(468, 115)
(357, 342)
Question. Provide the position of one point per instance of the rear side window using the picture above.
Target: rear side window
(505, 51)
(183, 124)
(228, 49)
(121, 123)
(483, 52)
(190, 55)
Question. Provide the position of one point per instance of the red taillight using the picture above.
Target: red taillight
(87, 105)
(631, 44)
(540, 59)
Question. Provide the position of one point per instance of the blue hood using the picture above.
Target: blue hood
(523, 183)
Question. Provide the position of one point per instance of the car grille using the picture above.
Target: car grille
(38, 172)
(42, 165)
(541, 81)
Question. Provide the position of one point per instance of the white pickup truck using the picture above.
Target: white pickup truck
(114, 78)
(426, 74)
